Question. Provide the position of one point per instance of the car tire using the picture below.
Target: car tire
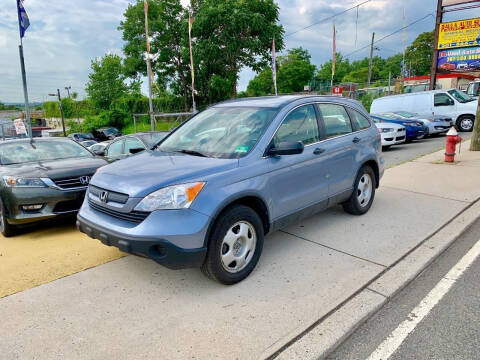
(363, 192)
(6, 229)
(386, 147)
(465, 123)
(234, 246)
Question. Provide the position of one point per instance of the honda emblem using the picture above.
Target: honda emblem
(103, 196)
(85, 180)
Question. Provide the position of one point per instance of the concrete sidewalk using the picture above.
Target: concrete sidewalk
(132, 308)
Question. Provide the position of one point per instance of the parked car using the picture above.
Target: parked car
(208, 193)
(79, 137)
(447, 66)
(106, 133)
(41, 179)
(128, 145)
(462, 66)
(451, 103)
(437, 124)
(99, 148)
(414, 129)
(88, 143)
(391, 134)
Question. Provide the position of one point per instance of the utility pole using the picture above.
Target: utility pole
(433, 70)
(371, 60)
(389, 81)
(149, 69)
(61, 110)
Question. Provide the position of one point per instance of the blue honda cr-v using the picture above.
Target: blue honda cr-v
(208, 193)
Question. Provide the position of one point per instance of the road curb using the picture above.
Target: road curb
(331, 331)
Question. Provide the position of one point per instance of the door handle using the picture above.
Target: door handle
(318, 151)
(356, 140)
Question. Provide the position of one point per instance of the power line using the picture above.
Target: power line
(327, 18)
(391, 34)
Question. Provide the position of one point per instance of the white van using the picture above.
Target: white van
(452, 103)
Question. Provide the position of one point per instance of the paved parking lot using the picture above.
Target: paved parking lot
(133, 308)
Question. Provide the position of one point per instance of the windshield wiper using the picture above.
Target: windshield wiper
(191, 152)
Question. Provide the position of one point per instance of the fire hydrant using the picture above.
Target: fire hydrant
(452, 140)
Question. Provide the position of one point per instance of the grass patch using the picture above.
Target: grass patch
(142, 126)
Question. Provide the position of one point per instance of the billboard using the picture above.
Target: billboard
(456, 34)
(456, 2)
(458, 60)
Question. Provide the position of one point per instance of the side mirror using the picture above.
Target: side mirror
(136, 150)
(99, 152)
(286, 148)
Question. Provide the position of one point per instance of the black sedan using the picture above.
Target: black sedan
(41, 179)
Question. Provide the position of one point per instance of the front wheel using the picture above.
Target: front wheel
(465, 123)
(363, 192)
(234, 246)
(6, 229)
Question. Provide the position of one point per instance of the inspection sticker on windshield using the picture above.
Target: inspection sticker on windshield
(242, 149)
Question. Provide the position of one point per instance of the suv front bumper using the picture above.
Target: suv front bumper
(172, 238)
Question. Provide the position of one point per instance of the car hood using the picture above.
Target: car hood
(389, 126)
(55, 169)
(141, 174)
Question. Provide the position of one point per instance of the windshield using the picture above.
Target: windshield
(23, 152)
(153, 138)
(460, 96)
(405, 114)
(224, 132)
(111, 131)
(473, 89)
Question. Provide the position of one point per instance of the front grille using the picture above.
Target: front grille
(111, 195)
(388, 139)
(71, 182)
(400, 130)
(133, 216)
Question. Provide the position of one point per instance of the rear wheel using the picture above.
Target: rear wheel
(465, 123)
(6, 229)
(363, 192)
(234, 246)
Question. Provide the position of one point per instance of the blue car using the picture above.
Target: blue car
(206, 195)
(415, 129)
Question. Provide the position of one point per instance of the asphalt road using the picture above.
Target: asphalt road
(451, 330)
(406, 152)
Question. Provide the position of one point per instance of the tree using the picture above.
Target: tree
(475, 142)
(294, 71)
(418, 56)
(168, 24)
(106, 81)
(342, 68)
(227, 35)
(236, 34)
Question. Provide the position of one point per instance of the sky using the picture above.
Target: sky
(65, 35)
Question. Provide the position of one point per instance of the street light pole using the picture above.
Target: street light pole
(371, 59)
(61, 110)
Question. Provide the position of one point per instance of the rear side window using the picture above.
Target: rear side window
(360, 120)
(335, 119)
(300, 125)
(132, 143)
(116, 148)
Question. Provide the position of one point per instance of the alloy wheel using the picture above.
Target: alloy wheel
(364, 190)
(238, 246)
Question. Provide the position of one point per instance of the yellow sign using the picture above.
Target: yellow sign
(458, 34)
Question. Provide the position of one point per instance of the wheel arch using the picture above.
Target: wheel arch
(252, 201)
(373, 164)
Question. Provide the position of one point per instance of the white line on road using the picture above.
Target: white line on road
(396, 338)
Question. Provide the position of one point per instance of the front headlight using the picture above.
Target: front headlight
(171, 197)
(14, 181)
(387, 130)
